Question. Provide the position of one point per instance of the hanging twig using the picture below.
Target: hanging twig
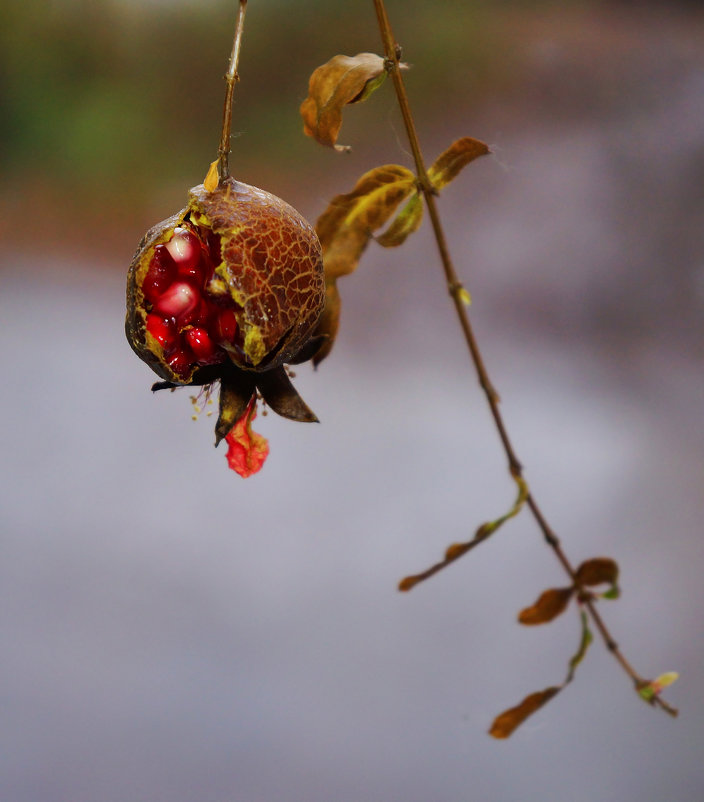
(231, 77)
(459, 295)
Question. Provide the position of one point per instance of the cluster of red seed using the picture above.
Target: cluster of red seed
(189, 311)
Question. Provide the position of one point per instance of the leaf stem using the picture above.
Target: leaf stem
(231, 78)
(392, 51)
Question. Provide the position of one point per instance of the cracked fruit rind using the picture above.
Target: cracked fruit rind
(235, 277)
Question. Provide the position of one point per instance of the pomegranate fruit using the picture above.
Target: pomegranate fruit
(235, 277)
(229, 289)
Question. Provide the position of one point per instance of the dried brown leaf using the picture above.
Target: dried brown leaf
(329, 322)
(346, 226)
(506, 722)
(600, 570)
(344, 230)
(550, 604)
(332, 86)
(458, 155)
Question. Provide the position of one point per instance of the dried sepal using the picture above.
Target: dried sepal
(212, 179)
(505, 723)
(332, 86)
(278, 392)
(549, 605)
(449, 163)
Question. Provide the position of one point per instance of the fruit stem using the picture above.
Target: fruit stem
(231, 77)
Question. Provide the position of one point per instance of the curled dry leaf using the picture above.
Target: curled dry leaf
(332, 86)
(329, 323)
(345, 229)
(406, 222)
(346, 225)
(449, 163)
(600, 570)
(505, 723)
(549, 605)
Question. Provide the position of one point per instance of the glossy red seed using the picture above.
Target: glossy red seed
(181, 361)
(225, 326)
(195, 274)
(161, 272)
(204, 349)
(179, 301)
(184, 247)
(202, 314)
(163, 330)
(191, 260)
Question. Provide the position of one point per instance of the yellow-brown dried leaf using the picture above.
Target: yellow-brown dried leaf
(329, 321)
(600, 570)
(550, 604)
(505, 723)
(344, 230)
(345, 227)
(449, 163)
(332, 86)
(404, 224)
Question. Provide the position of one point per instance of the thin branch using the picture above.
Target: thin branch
(393, 54)
(231, 78)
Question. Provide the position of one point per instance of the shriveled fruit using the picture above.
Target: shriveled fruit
(235, 278)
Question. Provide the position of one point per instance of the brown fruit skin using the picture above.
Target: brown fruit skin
(272, 267)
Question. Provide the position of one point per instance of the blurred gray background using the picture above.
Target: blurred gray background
(172, 632)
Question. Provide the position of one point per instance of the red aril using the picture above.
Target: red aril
(184, 248)
(179, 300)
(163, 330)
(161, 273)
(181, 361)
(225, 327)
(204, 349)
(202, 314)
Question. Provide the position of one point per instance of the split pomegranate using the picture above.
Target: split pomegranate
(236, 277)
(229, 290)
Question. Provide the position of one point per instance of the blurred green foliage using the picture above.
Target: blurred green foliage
(111, 110)
(125, 92)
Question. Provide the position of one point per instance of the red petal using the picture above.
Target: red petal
(247, 449)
